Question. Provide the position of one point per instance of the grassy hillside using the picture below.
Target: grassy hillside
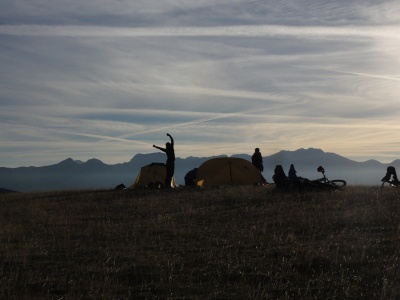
(233, 242)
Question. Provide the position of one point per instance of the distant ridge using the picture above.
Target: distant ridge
(94, 174)
(6, 191)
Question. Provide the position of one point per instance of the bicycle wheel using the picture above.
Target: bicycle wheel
(339, 183)
(322, 185)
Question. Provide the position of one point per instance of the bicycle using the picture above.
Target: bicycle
(391, 182)
(390, 177)
(325, 183)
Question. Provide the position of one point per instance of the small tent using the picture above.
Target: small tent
(227, 170)
(152, 176)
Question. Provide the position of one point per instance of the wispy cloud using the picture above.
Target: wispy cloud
(384, 31)
(95, 79)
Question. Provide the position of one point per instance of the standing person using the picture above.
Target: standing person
(293, 173)
(257, 160)
(170, 164)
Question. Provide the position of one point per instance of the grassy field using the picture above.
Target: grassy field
(226, 243)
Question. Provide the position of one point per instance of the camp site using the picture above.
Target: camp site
(214, 172)
(227, 237)
(227, 233)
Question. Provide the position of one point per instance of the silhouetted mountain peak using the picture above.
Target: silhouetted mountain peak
(94, 162)
(145, 159)
(142, 155)
(300, 152)
(395, 162)
(372, 162)
(67, 162)
(309, 151)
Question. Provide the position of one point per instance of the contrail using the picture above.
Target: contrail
(211, 118)
(353, 73)
(96, 136)
(245, 30)
(367, 75)
(125, 137)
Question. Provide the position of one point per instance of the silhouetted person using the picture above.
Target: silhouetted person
(297, 181)
(170, 164)
(279, 174)
(256, 160)
(280, 178)
(292, 173)
(190, 177)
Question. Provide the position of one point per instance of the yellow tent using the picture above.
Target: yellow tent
(227, 170)
(152, 176)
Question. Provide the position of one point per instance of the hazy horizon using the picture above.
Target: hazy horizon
(162, 156)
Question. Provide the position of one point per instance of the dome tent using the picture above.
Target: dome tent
(228, 170)
(152, 176)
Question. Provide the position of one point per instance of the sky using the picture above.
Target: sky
(108, 79)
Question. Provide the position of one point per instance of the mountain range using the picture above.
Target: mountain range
(94, 174)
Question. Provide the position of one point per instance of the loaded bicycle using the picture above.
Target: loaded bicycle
(325, 183)
(295, 183)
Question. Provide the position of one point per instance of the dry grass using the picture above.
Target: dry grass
(233, 242)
